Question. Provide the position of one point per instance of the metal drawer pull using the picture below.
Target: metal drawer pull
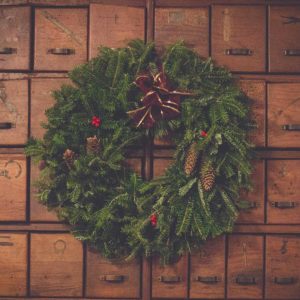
(61, 51)
(239, 51)
(283, 204)
(7, 50)
(112, 278)
(245, 280)
(169, 279)
(291, 127)
(291, 52)
(6, 244)
(208, 279)
(6, 125)
(284, 280)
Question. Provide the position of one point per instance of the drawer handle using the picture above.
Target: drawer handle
(239, 51)
(6, 244)
(6, 125)
(61, 51)
(112, 278)
(245, 280)
(284, 280)
(169, 279)
(291, 127)
(7, 50)
(291, 52)
(208, 279)
(283, 204)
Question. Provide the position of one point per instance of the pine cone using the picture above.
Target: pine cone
(191, 159)
(69, 156)
(207, 176)
(92, 145)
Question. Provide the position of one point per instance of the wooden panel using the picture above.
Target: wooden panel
(208, 271)
(282, 267)
(119, 25)
(112, 279)
(63, 29)
(238, 29)
(160, 166)
(255, 214)
(283, 191)
(13, 264)
(256, 91)
(12, 187)
(284, 44)
(13, 112)
(170, 281)
(56, 265)
(135, 164)
(190, 25)
(283, 109)
(14, 38)
(245, 267)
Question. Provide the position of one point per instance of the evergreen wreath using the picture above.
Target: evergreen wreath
(119, 99)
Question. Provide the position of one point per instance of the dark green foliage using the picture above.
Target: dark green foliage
(106, 203)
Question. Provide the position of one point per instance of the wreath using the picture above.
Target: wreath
(120, 99)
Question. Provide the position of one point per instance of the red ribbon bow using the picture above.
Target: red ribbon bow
(159, 101)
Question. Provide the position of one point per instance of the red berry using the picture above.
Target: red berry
(203, 133)
(96, 121)
(153, 220)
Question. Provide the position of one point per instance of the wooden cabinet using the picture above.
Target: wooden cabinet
(107, 279)
(245, 267)
(283, 115)
(119, 25)
(13, 264)
(160, 165)
(282, 267)
(56, 265)
(12, 187)
(170, 281)
(207, 274)
(13, 112)
(238, 37)
(14, 38)
(60, 38)
(284, 44)
(190, 25)
(283, 191)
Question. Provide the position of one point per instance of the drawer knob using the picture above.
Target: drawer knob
(239, 51)
(284, 280)
(291, 127)
(112, 278)
(7, 50)
(61, 51)
(169, 279)
(208, 279)
(6, 125)
(283, 204)
(291, 52)
(245, 280)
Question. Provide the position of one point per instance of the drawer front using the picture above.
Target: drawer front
(14, 38)
(282, 267)
(190, 25)
(207, 278)
(238, 37)
(119, 25)
(256, 91)
(284, 43)
(13, 112)
(283, 191)
(13, 264)
(12, 187)
(170, 281)
(255, 213)
(112, 280)
(160, 165)
(60, 38)
(56, 265)
(245, 267)
(284, 115)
